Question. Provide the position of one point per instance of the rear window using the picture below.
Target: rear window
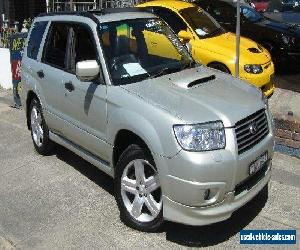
(35, 39)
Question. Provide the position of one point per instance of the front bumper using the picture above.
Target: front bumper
(264, 81)
(186, 178)
(198, 216)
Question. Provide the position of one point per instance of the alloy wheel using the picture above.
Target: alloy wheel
(141, 191)
(36, 126)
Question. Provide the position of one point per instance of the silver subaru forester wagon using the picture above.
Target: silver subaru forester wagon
(183, 142)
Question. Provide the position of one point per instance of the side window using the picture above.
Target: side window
(171, 18)
(35, 39)
(55, 48)
(222, 14)
(83, 44)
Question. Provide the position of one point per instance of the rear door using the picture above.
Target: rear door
(51, 72)
(30, 62)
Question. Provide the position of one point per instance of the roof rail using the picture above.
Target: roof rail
(115, 10)
(71, 13)
(91, 13)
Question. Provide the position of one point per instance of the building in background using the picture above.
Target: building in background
(83, 5)
(18, 10)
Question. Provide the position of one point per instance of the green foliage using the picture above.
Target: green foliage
(7, 32)
(28, 22)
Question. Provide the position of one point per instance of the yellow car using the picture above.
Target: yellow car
(211, 45)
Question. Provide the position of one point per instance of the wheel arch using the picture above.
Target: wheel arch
(123, 139)
(220, 63)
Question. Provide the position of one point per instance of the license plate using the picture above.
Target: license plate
(258, 164)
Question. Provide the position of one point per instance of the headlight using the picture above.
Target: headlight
(253, 68)
(201, 137)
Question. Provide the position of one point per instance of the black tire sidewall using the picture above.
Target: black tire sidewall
(220, 67)
(47, 145)
(133, 152)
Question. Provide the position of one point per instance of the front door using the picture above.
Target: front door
(85, 105)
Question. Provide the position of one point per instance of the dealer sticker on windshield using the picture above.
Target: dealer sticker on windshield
(258, 164)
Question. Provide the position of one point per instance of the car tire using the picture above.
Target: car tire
(39, 129)
(220, 67)
(140, 205)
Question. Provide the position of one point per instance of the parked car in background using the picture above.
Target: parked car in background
(282, 40)
(183, 142)
(261, 5)
(250, 2)
(287, 11)
(213, 46)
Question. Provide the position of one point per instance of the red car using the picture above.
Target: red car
(261, 5)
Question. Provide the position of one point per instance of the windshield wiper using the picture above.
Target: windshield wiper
(160, 73)
(217, 31)
(191, 64)
(164, 71)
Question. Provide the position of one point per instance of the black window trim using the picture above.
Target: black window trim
(100, 79)
(40, 44)
(46, 44)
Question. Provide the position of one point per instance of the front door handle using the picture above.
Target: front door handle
(40, 74)
(69, 86)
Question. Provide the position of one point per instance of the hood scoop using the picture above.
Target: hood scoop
(201, 80)
(254, 50)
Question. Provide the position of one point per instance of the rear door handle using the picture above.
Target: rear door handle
(69, 86)
(40, 74)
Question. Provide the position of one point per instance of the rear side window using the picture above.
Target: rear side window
(55, 48)
(35, 39)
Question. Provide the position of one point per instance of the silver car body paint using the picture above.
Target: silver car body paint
(88, 120)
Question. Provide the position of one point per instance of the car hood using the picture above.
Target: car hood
(224, 44)
(285, 17)
(280, 27)
(219, 97)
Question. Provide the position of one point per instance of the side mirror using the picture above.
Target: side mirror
(87, 70)
(185, 35)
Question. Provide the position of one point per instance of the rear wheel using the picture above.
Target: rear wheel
(39, 129)
(138, 190)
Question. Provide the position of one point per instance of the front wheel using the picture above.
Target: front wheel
(138, 191)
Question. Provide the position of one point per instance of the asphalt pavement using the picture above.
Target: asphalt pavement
(61, 201)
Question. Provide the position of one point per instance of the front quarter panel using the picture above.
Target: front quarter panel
(152, 124)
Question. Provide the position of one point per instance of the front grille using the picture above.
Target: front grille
(251, 130)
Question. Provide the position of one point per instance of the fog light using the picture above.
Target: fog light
(206, 194)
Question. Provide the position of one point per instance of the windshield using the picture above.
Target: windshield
(251, 14)
(141, 48)
(203, 24)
